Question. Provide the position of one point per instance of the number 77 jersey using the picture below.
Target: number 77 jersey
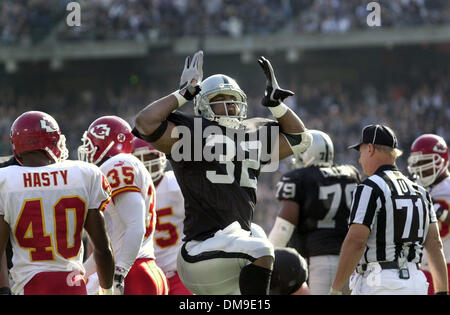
(46, 208)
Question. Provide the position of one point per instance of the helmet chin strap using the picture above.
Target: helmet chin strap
(51, 155)
(228, 122)
(100, 158)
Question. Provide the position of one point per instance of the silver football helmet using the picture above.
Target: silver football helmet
(320, 153)
(220, 84)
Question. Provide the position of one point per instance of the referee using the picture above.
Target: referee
(391, 221)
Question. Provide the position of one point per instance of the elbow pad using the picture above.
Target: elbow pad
(281, 232)
(299, 142)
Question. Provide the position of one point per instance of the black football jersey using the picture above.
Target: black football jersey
(217, 169)
(324, 196)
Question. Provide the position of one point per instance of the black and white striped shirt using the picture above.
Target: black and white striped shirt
(398, 213)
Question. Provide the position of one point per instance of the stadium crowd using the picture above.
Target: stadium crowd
(28, 21)
(412, 108)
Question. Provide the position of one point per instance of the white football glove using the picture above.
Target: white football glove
(192, 76)
(119, 277)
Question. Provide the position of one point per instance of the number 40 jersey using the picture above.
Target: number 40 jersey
(324, 196)
(46, 208)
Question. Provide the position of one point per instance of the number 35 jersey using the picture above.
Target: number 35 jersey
(46, 208)
(125, 173)
(217, 170)
(324, 196)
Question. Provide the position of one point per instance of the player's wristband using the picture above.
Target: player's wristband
(180, 98)
(443, 216)
(279, 111)
(335, 292)
(106, 291)
(5, 291)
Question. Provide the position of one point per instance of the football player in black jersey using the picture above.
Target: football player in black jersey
(217, 156)
(315, 205)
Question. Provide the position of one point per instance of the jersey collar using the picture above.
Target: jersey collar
(388, 167)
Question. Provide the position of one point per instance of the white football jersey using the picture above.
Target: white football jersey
(46, 208)
(441, 193)
(126, 173)
(169, 225)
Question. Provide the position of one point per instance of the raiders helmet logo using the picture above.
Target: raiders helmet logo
(100, 131)
(48, 125)
(440, 147)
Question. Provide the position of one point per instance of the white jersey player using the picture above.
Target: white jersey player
(46, 203)
(428, 162)
(131, 218)
(169, 213)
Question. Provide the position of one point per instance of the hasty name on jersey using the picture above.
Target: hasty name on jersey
(45, 179)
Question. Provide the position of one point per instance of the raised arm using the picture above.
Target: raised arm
(151, 122)
(295, 137)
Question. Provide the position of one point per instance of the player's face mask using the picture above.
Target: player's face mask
(426, 168)
(428, 159)
(221, 91)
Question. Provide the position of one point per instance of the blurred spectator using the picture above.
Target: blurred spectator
(28, 21)
(416, 105)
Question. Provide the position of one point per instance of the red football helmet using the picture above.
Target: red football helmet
(428, 158)
(107, 136)
(154, 160)
(36, 130)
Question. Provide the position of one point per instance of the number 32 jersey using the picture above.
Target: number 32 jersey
(324, 196)
(46, 208)
(217, 171)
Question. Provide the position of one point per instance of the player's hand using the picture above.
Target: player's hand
(118, 284)
(274, 95)
(192, 76)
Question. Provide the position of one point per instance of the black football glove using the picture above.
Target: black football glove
(274, 95)
(192, 76)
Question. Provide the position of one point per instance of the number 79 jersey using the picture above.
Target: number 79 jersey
(324, 196)
(46, 208)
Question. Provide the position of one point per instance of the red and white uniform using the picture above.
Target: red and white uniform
(441, 194)
(169, 230)
(126, 174)
(46, 208)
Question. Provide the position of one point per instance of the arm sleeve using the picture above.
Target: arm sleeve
(131, 209)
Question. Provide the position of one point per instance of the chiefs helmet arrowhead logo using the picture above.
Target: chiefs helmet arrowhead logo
(100, 131)
(440, 147)
(48, 125)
